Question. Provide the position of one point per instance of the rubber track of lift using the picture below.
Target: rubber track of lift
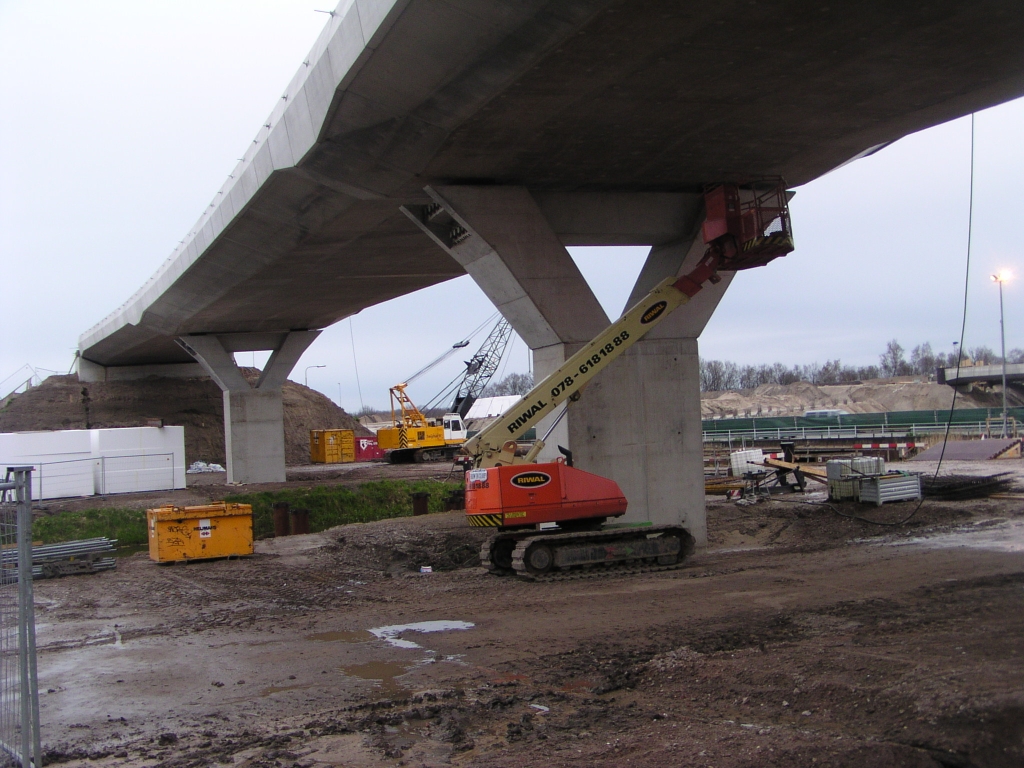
(485, 553)
(485, 556)
(620, 568)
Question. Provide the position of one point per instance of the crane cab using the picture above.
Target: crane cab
(454, 429)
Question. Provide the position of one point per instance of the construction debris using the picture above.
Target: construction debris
(961, 487)
(721, 486)
(198, 467)
(69, 558)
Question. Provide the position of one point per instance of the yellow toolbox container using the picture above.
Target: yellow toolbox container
(196, 533)
(332, 446)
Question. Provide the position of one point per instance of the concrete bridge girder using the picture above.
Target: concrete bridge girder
(639, 421)
(253, 414)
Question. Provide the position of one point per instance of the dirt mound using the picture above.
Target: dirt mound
(872, 396)
(63, 402)
(442, 541)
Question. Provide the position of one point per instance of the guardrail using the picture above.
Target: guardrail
(23, 379)
(988, 428)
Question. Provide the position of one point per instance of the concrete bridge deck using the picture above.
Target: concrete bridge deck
(982, 374)
(611, 112)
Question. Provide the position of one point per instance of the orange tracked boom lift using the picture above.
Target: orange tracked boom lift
(746, 226)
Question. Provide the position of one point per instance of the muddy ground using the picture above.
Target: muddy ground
(799, 638)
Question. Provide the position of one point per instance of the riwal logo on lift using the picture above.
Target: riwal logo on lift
(533, 479)
(653, 313)
(527, 415)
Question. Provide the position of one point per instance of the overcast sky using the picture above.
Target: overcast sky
(121, 120)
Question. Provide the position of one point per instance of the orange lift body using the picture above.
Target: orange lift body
(529, 494)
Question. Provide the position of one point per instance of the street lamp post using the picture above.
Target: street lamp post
(306, 375)
(1001, 278)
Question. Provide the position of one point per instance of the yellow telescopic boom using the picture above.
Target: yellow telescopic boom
(495, 445)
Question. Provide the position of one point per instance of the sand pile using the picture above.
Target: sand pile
(872, 396)
(63, 402)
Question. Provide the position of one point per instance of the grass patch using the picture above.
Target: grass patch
(328, 506)
(336, 505)
(128, 526)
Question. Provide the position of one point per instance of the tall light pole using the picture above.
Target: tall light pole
(1001, 278)
(306, 375)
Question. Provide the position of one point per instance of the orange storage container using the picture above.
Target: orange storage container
(198, 533)
(332, 446)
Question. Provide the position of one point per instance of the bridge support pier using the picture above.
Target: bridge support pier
(639, 421)
(253, 414)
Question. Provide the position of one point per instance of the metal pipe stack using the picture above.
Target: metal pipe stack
(65, 559)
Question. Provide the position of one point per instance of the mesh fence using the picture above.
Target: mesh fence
(9, 711)
(19, 694)
(102, 475)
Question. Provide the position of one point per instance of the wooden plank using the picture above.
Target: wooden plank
(815, 472)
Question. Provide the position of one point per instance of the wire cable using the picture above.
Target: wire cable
(355, 364)
(454, 348)
(959, 355)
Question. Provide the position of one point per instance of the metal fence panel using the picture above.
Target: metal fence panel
(131, 474)
(19, 689)
(64, 479)
(103, 474)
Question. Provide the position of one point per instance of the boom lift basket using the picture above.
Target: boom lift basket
(748, 223)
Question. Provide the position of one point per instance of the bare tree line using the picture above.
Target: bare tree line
(719, 375)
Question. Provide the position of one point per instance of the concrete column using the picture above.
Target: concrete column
(639, 422)
(253, 415)
(502, 239)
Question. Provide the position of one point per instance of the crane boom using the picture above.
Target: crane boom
(491, 448)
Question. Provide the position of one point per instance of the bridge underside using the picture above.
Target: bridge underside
(565, 99)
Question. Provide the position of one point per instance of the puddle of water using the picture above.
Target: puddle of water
(391, 634)
(383, 673)
(356, 636)
(278, 689)
(1004, 537)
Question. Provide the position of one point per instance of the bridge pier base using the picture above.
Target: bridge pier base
(639, 421)
(253, 413)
